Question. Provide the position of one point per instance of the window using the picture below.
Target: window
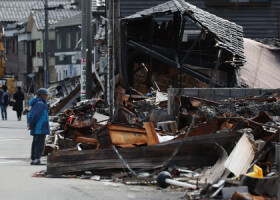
(58, 41)
(68, 41)
(33, 48)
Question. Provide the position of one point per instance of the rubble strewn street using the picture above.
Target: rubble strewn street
(208, 142)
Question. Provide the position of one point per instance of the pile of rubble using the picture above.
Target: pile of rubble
(213, 149)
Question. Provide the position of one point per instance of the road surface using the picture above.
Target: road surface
(16, 180)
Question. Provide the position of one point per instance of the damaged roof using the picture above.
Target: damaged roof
(228, 34)
(72, 21)
(54, 16)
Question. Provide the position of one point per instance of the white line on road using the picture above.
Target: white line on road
(6, 140)
(5, 162)
(1, 157)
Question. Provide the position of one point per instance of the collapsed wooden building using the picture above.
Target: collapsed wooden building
(176, 44)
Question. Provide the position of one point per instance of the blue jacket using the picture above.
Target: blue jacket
(38, 117)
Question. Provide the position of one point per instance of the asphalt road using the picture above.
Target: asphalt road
(16, 181)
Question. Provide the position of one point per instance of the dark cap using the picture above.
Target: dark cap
(43, 91)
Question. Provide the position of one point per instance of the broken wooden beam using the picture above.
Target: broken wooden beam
(148, 157)
(197, 151)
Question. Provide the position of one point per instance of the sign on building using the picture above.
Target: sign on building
(83, 78)
(39, 45)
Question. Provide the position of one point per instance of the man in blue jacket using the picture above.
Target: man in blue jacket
(38, 124)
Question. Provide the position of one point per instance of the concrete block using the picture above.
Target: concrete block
(193, 92)
(253, 92)
(237, 92)
(221, 94)
(173, 91)
(206, 93)
(263, 91)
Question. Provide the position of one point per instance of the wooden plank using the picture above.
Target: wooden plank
(139, 157)
(224, 139)
(115, 127)
(206, 158)
(137, 153)
(152, 137)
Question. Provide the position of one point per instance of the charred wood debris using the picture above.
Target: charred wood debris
(214, 150)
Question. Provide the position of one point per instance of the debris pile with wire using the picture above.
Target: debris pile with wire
(206, 147)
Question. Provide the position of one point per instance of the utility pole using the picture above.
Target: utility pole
(110, 32)
(86, 47)
(89, 49)
(46, 47)
(277, 162)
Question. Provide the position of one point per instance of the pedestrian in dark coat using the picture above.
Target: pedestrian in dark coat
(18, 105)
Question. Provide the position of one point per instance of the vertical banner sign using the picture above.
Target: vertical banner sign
(83, 78)
(40, 46)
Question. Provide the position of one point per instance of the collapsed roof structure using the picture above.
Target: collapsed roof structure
(150, 46)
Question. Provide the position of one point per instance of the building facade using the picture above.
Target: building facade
(68, 48)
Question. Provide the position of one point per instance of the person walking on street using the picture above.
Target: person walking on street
(18, 105)
(38, 124)
(4, 102)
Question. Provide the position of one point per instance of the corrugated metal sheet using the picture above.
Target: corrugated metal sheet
(14, 10)
(241, 156)
(257, 21)
(262, 68)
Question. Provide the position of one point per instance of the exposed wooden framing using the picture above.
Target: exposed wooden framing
(181, 34)
(195, 152)
(171, 63)
(176, 29)
(178, 66)
(124, 60)
(167, 52)
(151, 52)
(191, 48)
(178, 35)
(151, 36)
(236, 76)
(214, 78)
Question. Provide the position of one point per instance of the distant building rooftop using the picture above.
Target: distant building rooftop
(15, 10)
(55, 16)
